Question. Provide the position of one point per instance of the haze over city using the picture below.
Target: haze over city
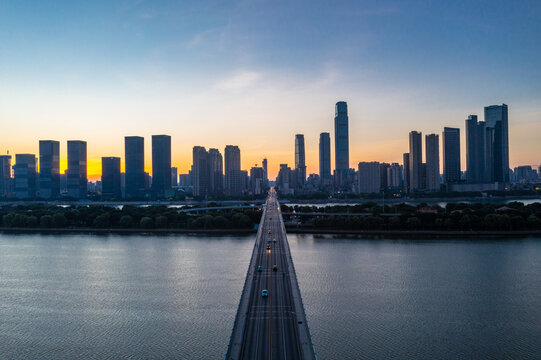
(256, 73)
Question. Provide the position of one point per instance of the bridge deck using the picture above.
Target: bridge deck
(272, 327)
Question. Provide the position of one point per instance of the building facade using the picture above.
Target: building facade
(415, 160)
(111, 186)
(451, 155)
(233, 181)
(5, 175)
(432, 144)
(161, 165)
(77, 181)
(369, 177)
(134, 152)
(25, 176)
(325, 159)
(49, 169)
(300, 160)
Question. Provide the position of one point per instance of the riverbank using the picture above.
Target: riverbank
(419, 233)
(290, 230)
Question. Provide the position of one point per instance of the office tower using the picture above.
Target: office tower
(134, 152)
(25, 176)
(110, 177)
(185, 179)
(216, 173)
(406, 171)
(369, 177)
(233, 185)
(49, 169)
(432, 143)
(161, 165)
(415, 160)
(174, 176)
(383, 175)
(76, 174)
(451, 155)
(5, 175)
(478, 151)
(300, 159)
(257, 180)
(244, 180)
(341, 141)
(283, 180)
(496, 117)
(266, 170)
(394, 176)
(200, 171)
(325, 158)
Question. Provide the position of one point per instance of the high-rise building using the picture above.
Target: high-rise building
(283, 181)
(233, 181)
(394, 176)
(496, 117)
(451, 155)
(200, 171)
(134, 151)
(25, 176)
(76, 174)
(383, 176)
(174, 176)
(266, 170)
(257, 180)
(5, 175)
(478, 151)
(325, 158)
(300, 159)
(110, 177)
(341, 138)
(432, 143)
(406, 171)
(49, 169)
(216, 173)
(415, 160)
(369, 177)
(161, 165)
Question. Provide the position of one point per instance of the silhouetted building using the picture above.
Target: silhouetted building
(383, 176)
(257, 180)
(283, 180)
(49, 169)
(300, 160)
(216, 173)
(134, 147)
(5, 175)
(25, 176)
(496, 118)
(432, 162)
(415, 160)
(200, 171)
(369, 177)
(325, 158)
(451, 155)
(77, 181)
(394, 177)
(161, 165)
(406, 171)
(479, 151)
(110, 177)
(341, 141)
(233, 181)
(185, 179)
(174, 176)
(266, 169)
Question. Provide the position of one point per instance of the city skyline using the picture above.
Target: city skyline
(209, 74)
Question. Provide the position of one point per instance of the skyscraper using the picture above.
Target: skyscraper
(325, 158)
(478, 151)
(134, 151)
(200, 171)
(25, 176)
(451, 155)
(266, 170)
(406, 169)
(216, 173)
(415, 160)
(257, 180)
(496, 117)
(5, 175)
(369, 180)
(49, 169)
(233, 183)
(76, 173)
(161, 165)
(300, 159)
(110, 177)
(341, 137)
(432, 143)
(174, 176)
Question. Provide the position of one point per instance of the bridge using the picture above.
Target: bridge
(273, 326)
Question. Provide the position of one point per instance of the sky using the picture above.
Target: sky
(254, 73)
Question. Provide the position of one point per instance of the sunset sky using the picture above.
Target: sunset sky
(255, 73)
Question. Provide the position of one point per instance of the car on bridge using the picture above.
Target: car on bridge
(275, 268)
(265, 293)
(268, 247)
(259, 268)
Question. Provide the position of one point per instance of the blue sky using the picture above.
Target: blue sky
(254, 73)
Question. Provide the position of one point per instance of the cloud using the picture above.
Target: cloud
(240, 80)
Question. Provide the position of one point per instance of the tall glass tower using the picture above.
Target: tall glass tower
(341, 137)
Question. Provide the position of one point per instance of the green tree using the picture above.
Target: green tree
(102, 221)
(161, 222)
(59, 220)
(31, 221)
(146, 222)
(46, 221)
(126, 222)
